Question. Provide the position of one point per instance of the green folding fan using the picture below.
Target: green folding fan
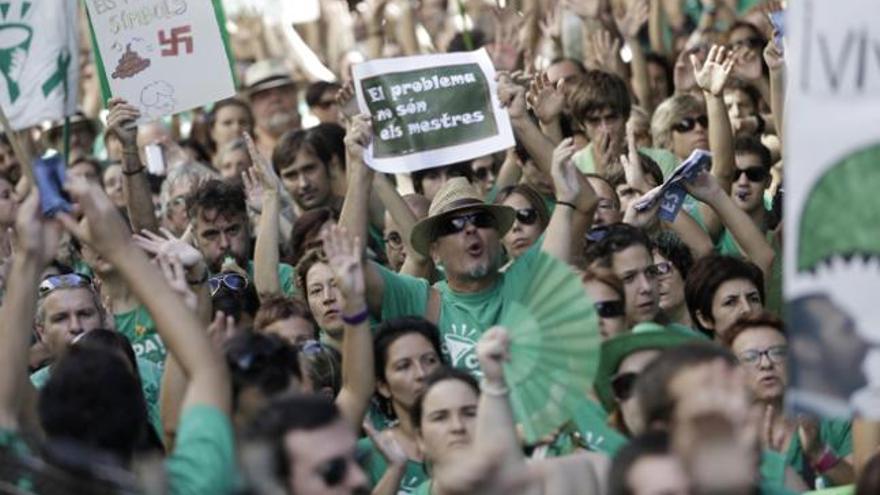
(554, 347)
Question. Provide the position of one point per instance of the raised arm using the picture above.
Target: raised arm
(266, 256)
(179, 328)
(547, 101)
(415, 265)
(776, 62)
(629, 26)
(138, 198)
(358, 377)
(36, 244)
(712, 77)
(575, 205)
(513, 97)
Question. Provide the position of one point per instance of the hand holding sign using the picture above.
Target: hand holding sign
(688, 176)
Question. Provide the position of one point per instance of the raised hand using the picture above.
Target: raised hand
(346, 101)
(512, 96)
(253, 189)
(387, 445)
(704, 187)
(122, 119)
(632, 20)
(175, 274)
(345, 259)
(773, 55)
(546, 100)
(641, 219)
(712, 75)
(551, 25)
(102, 226)
(585, 9)
(221, 329)
(493, 350)
(359, 135)
(261, 171)
(36, 236)
(604, 52)
(168, 245)
(569, 183)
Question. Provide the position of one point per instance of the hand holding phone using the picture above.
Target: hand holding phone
(49, 176)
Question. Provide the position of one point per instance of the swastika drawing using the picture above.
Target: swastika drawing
(181, 35)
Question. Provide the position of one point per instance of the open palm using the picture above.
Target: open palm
(712, 75)
(546, 99)
(344, 258)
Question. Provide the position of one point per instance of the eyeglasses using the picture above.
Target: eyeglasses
(454, 225)
(334, 471)
(232, 281)
(688, 124)
(394, 239)
(663, 268)
(775, 354)
(754, 174)
(609, 309)
(65, 281)
(753, 43)
(622, 385)
(527, 216)
(482, 173)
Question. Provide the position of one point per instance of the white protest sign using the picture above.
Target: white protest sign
(162, 56)
(832, 206)
(39, 61)
(431, 110)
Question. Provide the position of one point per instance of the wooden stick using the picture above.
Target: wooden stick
(23, 157)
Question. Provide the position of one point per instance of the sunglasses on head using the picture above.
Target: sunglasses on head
(609, 309)
(687, 124)
(455, 224)
(527, 216)
(754, 174)
(232, 281)
(622, 385)
(65, 281)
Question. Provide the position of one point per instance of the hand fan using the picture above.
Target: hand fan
(554, 347)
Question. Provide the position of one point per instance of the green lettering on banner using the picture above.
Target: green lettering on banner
(429, 109)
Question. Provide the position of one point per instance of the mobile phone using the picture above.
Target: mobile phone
(155, 159)
(49, 176)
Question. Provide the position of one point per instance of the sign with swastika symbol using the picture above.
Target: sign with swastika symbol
(172, 60)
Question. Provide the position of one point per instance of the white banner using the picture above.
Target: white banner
(832, 206)
(39, 60)
(431, 110)
(163, 58)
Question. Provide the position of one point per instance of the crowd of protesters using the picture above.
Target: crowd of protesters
(264, 313)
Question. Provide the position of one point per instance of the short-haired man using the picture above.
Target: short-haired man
(427, 182)
(286, 318)
(273, 97)
(311, 449)
(321, 99)
(302, 159)
(218, 215)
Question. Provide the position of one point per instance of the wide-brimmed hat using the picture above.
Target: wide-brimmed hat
(266, 74)
(457, 194)
(643, 337)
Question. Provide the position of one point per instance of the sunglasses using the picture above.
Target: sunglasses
(754, 174)
(454, 225)
(65, 281)
(622, 385)
(334, 471)
(394, 239)
(609, 309)
(753, 43)
(527, 216)
(324, 105)
(687, 124)
(482, 173)
(232, 281)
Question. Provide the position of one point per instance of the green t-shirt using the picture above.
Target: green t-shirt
(138, 327)
(374, 465)
(423, 489)
(203, 460)
(836, 434)
(463, 317)
(286, 275)
(584, 161)
(151, 379)
(12, 444)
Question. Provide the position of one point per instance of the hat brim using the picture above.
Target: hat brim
(616, 349)
(273, 82)
(421, 236)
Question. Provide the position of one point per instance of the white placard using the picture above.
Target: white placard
(163, 57)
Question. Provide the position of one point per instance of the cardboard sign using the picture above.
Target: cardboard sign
(39, 61)
(433, 110)
(832, 200)
(162, 56)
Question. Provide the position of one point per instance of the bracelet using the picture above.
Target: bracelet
(492, 390)
(828, 460)
(134, 172)
(356, 319)
(570, 205)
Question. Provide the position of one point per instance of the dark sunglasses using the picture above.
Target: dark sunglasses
(324, 105)
(394, 239)
(482, 173)
(687, 124)
(622, 385)
(65, 281)
(334, 471)
(454, 225)
(232, 281)
(527, 216)
(754, 174)
(609, 309)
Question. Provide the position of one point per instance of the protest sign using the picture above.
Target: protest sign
(671, 193)
(38, 61)
(431, 110)
(832, 199)
(162, 56)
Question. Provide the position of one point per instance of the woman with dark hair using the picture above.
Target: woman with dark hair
(720, 290)
(531, 218)
(673, 260)
(227, 121)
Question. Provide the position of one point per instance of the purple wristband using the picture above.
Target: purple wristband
(828, 460)
(356, 319)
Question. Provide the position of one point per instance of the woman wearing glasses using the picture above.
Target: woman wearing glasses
(531, 218)
(815, 450)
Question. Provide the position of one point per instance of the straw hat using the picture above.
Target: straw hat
(266, 74)
(457, 194)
